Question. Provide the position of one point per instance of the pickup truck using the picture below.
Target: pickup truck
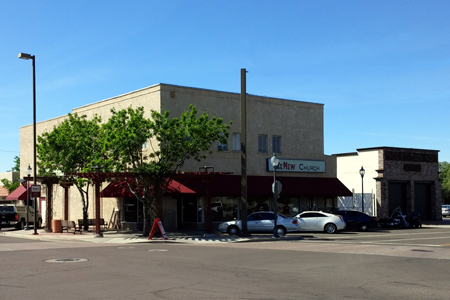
(12, 215)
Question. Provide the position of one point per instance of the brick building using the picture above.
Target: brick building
(394, 177)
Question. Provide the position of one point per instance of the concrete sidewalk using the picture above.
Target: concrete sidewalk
(126, 237)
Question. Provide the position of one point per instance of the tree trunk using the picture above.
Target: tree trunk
(146, 216)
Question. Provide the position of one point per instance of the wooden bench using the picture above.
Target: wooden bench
(90, 222)
(70, 225)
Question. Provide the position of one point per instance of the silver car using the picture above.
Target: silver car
(320, 221)
(445, 210)
(261, 221)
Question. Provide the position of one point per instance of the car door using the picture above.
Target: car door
(352, 219)
(267, 221)
(254, 222)
(307, 221)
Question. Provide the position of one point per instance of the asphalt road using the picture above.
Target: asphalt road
(401, 264)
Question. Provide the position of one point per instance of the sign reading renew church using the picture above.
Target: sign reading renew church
(298, 165)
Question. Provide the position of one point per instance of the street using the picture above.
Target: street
(401, 264)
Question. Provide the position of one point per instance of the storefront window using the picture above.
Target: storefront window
(288, 206)
(259, 204)
(192, 209)
(224, 208)
(132, 210)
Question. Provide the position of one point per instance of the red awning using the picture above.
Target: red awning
(118, 189)
(261, 186)
(19, 194)
(230, 186)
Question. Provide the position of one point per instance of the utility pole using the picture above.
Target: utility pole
(243, 206)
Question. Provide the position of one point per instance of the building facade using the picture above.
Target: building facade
(292, 129)
(394, 177)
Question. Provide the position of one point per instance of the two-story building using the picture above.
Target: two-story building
(292, 129)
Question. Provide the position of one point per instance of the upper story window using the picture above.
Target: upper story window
(276, 144)
(144, 146)
(236, 142)
(221, 146)
(262, 143)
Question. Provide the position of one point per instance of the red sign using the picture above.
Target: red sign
(159, 224)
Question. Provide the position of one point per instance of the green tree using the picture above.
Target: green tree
(9, 185)
(16, 167)
(171, 141)
(71, 147)
(444, 175)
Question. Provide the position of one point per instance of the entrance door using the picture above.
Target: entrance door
(397, 196)
(422, 200)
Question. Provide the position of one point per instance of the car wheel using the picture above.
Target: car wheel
(233, 230)
(364, 227)
(281, 231)
(21, 225)
(330, 228)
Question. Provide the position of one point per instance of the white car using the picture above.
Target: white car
(261, 221)
(445, 210)
(320, 221)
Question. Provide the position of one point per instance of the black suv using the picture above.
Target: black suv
(357, 220)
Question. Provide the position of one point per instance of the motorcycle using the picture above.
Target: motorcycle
(397, 219)
(414, 220)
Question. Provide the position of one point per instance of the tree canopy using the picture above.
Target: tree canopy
(170, 142)
(71, 147)
(9, 185)
(16, 167)
(444, 175)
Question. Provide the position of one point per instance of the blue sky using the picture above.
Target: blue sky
(381, 68)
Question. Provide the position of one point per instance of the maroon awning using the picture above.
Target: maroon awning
(118, 189)
(261, 186)
(230, 186)
(19, 194)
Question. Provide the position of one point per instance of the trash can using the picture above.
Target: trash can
(56, 226)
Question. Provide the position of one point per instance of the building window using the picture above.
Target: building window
(144, 146)
(236, 142)
(262, 143)
(276, 144)
(221, 146)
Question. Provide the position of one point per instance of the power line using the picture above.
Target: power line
(9, 151)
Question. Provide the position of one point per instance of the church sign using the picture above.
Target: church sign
(298, 165)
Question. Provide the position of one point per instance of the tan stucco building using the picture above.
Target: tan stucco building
(294, 129)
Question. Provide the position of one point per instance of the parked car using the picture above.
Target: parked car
(357, 220)
(12, 215)
(261, 221)
(320, 221)
(445, 210)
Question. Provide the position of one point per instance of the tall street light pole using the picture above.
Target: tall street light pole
(362, 172)
(275, 161)
(32, 57)
(28, 195)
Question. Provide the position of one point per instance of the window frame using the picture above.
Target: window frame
(236, 144)
(262, 147)
(278, 139)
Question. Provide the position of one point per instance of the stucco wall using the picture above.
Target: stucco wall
(300, 125)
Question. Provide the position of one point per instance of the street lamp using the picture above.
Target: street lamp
(32, 57)
(275, 161)
(28, 195)
(362, 172)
